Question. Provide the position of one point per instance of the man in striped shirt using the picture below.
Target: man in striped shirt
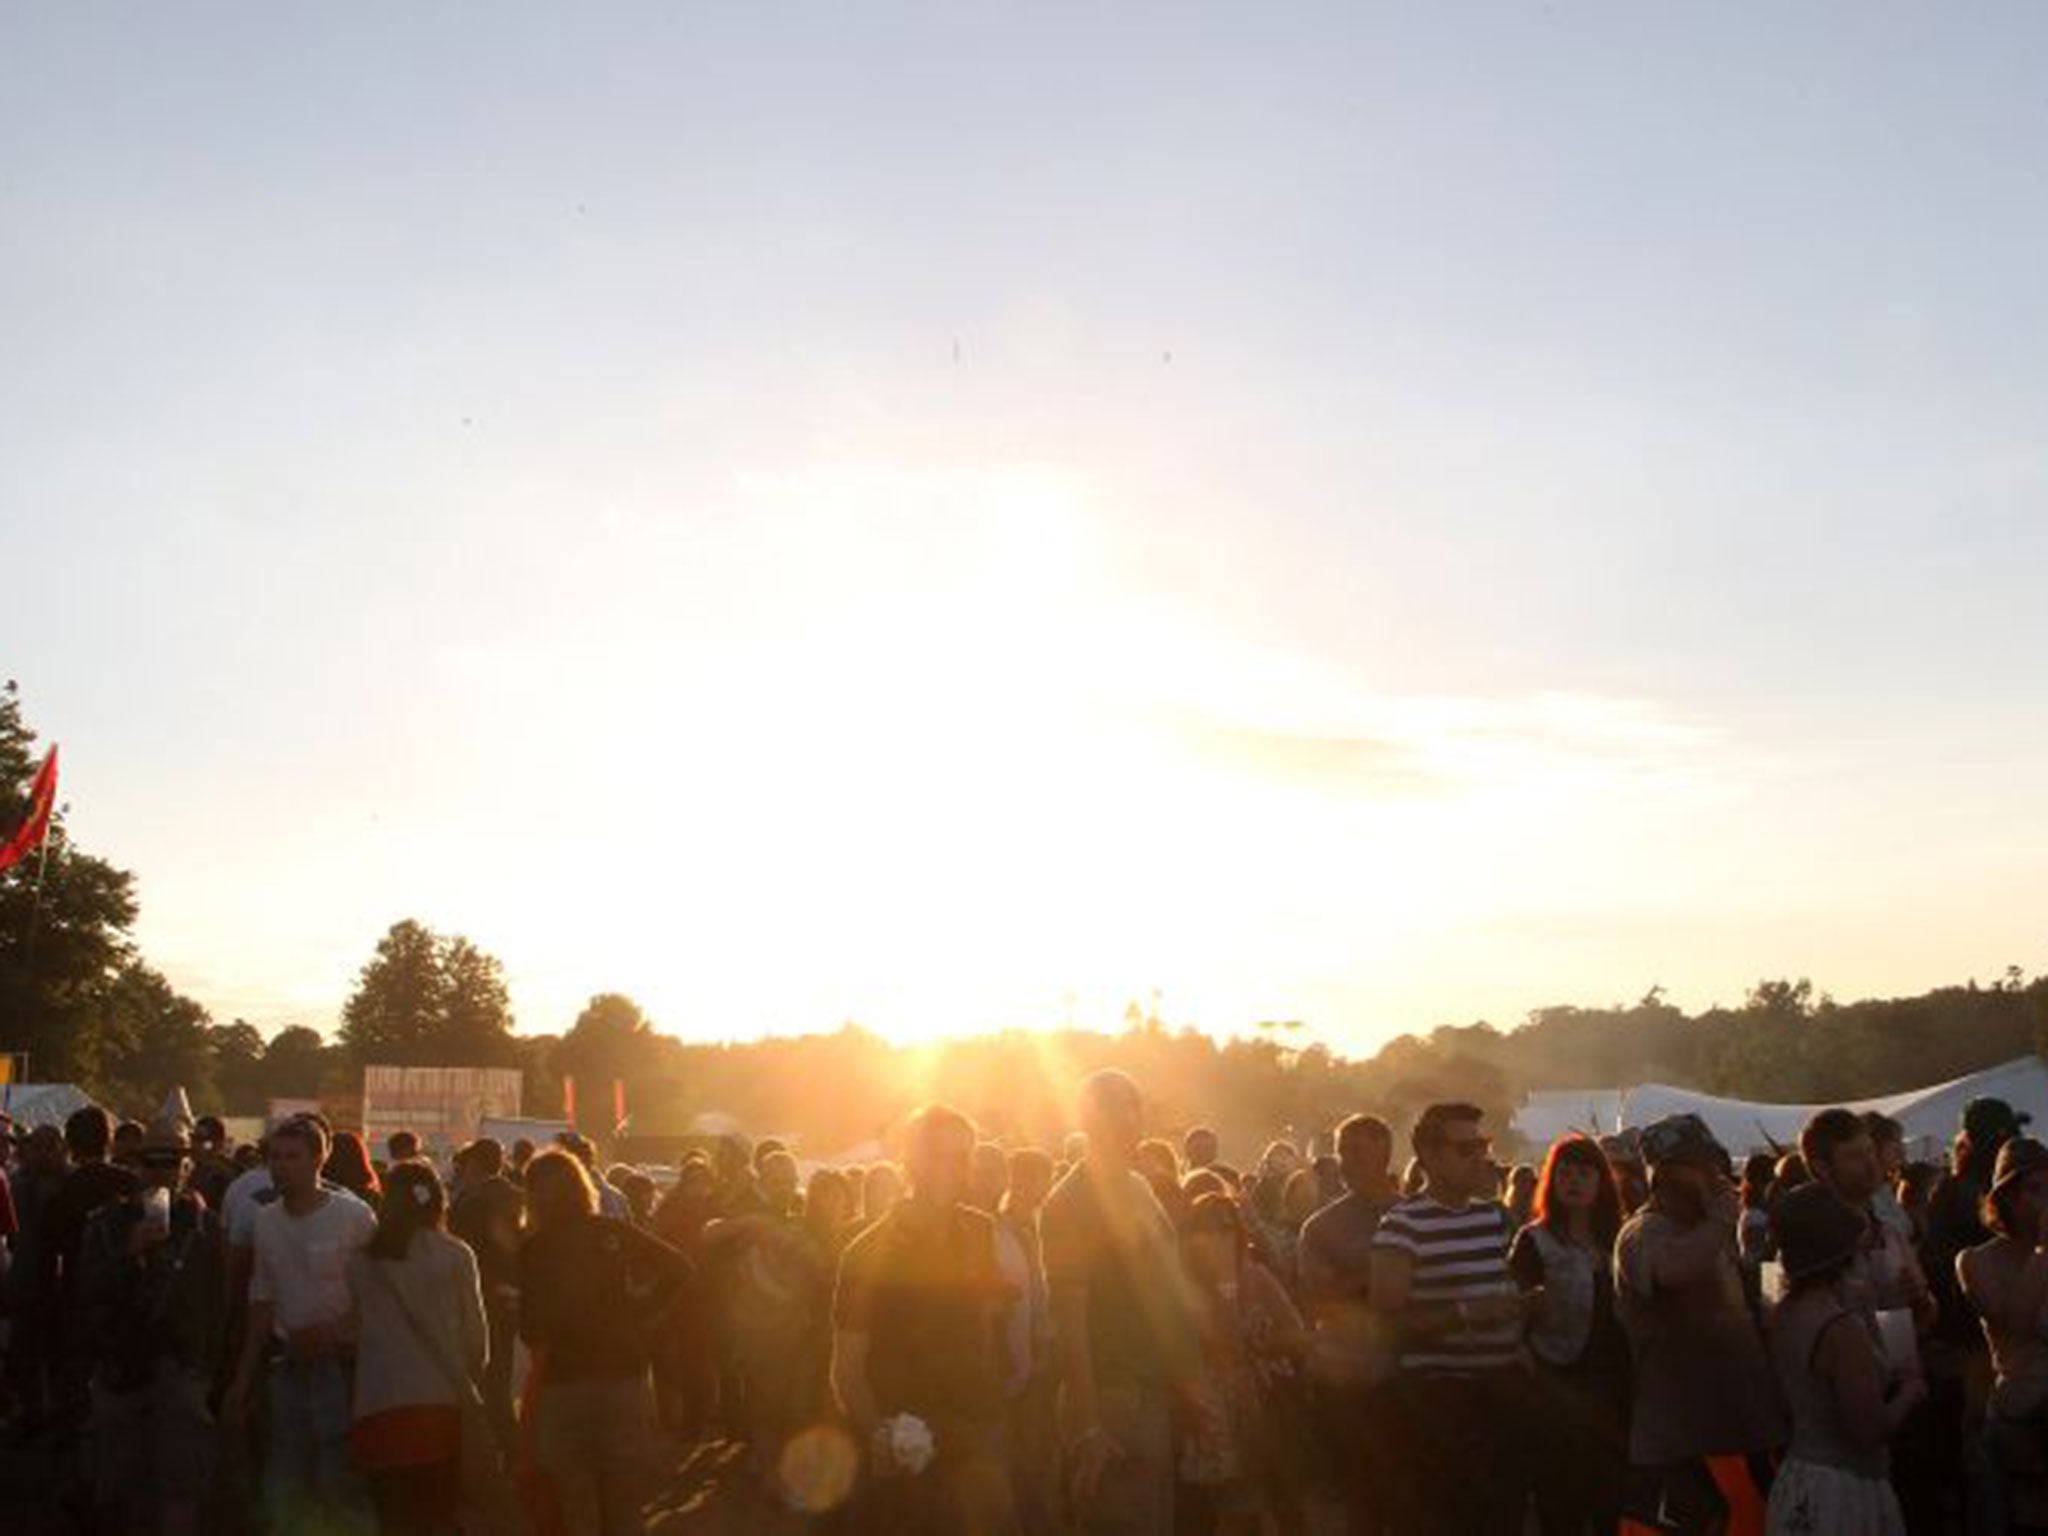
(1441, 1286)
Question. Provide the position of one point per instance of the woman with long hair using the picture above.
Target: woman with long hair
(1567, 1253)
(422, 1345)
(348, 1164)
(592, 1291)
(1240, 1435)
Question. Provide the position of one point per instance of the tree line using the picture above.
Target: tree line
(84, 1004)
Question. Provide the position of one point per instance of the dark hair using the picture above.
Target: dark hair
(522, 1152)
(401, 1145)
(825, 1184)
(1429, 1129)
(486, 1154)
(88, 1131)
(1198, 1130)
(1352, 1127)
(210, 1129)
(1581, 1152)
(348, 1164)
(1215, 1213)
(1759, 1171)
(306, 1131)
(1883, 1129)
(584, 1150)
(934, 1120)
(129, 1131)
(1826, 1131)
(413, 1201)
(559, 1184)
(762, 1148)
(1030, 1160)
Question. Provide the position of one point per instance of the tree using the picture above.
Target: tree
(154, 1040)
(238, 1067)
(65, 918)
(610, 1040)
(423, 1000)
(294, 1062)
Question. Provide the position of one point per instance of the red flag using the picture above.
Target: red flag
(42, 800)
(618, 1105)
(569, 1099)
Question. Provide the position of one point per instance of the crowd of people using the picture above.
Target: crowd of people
(1125, 1335)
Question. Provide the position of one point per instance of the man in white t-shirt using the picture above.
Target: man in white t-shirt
(300, 1324)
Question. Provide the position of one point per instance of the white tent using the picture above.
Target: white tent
(1553, 1112)
(33, 1104)
(1931, 1116)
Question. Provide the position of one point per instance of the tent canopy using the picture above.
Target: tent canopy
(33, 1104)
(1931, 1116)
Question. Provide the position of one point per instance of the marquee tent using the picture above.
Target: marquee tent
(1931, 1116)
(33, 1104)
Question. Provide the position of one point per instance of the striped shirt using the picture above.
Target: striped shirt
(1456, 1254)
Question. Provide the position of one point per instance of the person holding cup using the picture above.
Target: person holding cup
(151, 1287)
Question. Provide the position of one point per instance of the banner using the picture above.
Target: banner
(440, 1105)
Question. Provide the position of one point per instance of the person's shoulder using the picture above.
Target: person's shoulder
(978, 1225)
(1068, 1199)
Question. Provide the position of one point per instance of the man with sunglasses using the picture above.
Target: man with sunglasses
(1440, 1285)
(150, 1289)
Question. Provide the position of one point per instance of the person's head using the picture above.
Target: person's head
(1329, 1175)
(1577, 1178)
(1687, 1165)
(1888, 1137)
(2018, 1198)
(1916, 1183)
(1279, 1159)
(127, 1141)
(764, 1149)
(1203, 1181)
(1840, 1154)
(1988, 1124)
(1157, 1161)
(249, 1154)
(400, 1145)
(165, 1156)
(481, 1159)
(938, 1151)
(780, 1180)
(988, 1177)
(640, 1194)
(1030, 1181)
(1199, 1147)
(1112, 1115)
(88, 1133)
(735, 1158)
(696, 1178)
(1521, 1186)
(559, 1190)
(1789, 1173)
(44, 1148)
(1758, 1172)
(1818, 1233)
(522, 1154)
(1298, 1198)
(1365, 1151)
(1213, 1239)
(298, 1150)
(580, 1147)
(881, 1186)
(209, 1134)
(1453, 1150)
(348, 1164)
(828, 1201)
(413, 1201)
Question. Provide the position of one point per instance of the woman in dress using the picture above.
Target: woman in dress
(1237, 1431)
(1566, 1253)
(1831, 1366)
(422, 1344)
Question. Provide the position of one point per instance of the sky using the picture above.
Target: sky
(956, 515)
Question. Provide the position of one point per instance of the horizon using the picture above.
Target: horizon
(943, 516)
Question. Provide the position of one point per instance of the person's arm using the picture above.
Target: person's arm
(1844, 1358)
(474, 1333)
(1291, 1336)
(850, 1381)
(1317, 1275)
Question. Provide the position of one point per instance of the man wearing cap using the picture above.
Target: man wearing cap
(1706, 1410)
(151, 1292)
